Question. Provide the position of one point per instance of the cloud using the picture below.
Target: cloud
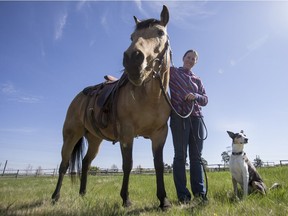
(220, 71)
(250, 48)
(17, 130)
(25, 99)
(81, 4)
(7, 88)
(184, 14)
(257, 43)
(104, 22)
(12, 94)
(139, 6)
(60, 24)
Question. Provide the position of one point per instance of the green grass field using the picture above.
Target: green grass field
(32, 196)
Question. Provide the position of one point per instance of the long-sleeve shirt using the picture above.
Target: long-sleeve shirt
(183, 82)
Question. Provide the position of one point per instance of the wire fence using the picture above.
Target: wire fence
(39, 172)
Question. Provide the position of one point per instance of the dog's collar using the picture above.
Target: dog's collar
(237, 153)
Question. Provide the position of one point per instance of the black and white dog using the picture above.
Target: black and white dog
(242, 170)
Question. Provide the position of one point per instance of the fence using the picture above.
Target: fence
(15, 173)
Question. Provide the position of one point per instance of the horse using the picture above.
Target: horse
(139, 108)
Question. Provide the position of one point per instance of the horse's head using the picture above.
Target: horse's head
(149, 42)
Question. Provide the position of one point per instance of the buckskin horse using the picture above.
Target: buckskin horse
(119, 110)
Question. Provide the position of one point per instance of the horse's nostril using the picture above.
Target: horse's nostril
(125, 59)
(138, 57)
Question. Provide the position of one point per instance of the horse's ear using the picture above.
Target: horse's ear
(164, 16)
(136, 20)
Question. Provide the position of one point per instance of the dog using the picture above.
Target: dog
(242, 170)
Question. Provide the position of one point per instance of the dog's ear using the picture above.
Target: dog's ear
(231, 134)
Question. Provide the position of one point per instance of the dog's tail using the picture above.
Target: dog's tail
(275, 186)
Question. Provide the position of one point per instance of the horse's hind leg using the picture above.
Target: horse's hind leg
(93, 148)
(67, 148)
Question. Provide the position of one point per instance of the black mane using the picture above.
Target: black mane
(147, 23)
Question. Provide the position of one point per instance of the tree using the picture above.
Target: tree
(93, 170)
(28, 170)
(258, 162)
(225, 157)
(114, 168)
(39, 171)
(139, 169)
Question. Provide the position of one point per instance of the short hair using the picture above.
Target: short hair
(188, 51)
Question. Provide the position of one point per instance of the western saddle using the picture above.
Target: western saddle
(105, 97)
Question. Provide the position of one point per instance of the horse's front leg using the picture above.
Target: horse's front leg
(158, 141)
(127, 163)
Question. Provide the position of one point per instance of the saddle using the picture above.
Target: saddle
(105, 97)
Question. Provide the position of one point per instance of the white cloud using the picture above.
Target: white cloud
(13, 94)
(258, 43)
(17, 130)
(104, 22)
(184, 14)
(250, 48)
(60, 24)
(81, 4)
(25, 99)
(220, 71)
(232, 62)
(8, 88)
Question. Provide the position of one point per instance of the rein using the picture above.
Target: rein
(157, 75)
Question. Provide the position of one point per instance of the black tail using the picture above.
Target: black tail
(75, 163)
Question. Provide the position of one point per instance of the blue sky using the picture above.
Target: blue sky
(49, 51)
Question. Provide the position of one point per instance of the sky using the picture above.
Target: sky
(50, 51)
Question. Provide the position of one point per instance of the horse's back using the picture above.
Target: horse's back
(75, 112)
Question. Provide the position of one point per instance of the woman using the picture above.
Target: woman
(187, 93)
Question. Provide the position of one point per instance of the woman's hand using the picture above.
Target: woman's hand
(190, 97)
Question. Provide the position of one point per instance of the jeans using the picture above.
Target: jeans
(187, 134)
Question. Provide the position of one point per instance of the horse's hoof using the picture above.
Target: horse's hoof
(165, 205)
(127, 203)
(55, 198)
(82, 193)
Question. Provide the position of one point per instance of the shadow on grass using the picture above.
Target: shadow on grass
(146, 210)
(11, 208)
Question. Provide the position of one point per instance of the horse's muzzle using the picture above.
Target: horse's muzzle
(132, 63)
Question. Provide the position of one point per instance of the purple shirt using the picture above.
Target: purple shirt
(182, 82)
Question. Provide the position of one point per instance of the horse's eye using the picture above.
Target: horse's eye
(161, 33)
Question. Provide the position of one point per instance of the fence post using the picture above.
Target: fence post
(17, 173)
(4, 167)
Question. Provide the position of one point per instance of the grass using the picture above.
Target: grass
(32, 196)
